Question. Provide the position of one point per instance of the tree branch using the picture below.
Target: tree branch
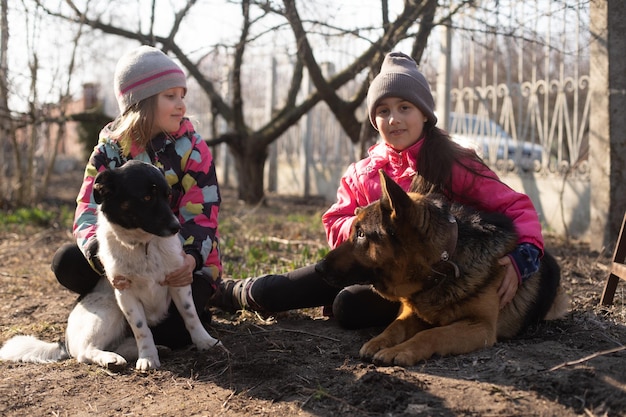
(238, 120)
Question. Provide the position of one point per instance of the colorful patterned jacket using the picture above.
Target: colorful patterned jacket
(189, 169)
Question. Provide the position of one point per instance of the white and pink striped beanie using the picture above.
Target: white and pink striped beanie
(144, 72)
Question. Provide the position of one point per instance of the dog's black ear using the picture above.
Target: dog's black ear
(393, 198)
(103, 186)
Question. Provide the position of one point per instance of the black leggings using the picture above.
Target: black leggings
(74, 272)
(354, 307)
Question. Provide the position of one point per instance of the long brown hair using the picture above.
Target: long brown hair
(135, 124)
(439, 154)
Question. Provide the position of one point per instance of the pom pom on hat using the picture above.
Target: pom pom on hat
(144, 72)
(399, 77)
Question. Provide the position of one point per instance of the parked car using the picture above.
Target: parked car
(493, 143)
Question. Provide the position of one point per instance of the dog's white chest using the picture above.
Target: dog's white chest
(144, 260)
(150, 261)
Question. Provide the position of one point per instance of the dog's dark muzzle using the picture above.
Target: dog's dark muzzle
(173, 227)
(165, 226)
(340, 271)
(322, 269)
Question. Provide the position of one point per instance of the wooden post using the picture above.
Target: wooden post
(607, 144)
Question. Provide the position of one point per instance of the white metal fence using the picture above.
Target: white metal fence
(534, 86)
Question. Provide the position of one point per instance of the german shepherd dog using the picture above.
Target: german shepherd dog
(137, 237)
(440, 261)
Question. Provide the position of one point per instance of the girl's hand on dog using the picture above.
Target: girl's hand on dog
(509, 285)
(183, 275)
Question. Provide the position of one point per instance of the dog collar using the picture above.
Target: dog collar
(452, 240)
(436, 275)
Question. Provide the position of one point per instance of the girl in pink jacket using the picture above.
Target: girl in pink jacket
(400, 106)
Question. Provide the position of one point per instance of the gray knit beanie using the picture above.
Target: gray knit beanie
(399, 77)
(144, 72)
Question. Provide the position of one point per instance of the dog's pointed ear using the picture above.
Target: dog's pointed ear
(103, 186)
(393, 198)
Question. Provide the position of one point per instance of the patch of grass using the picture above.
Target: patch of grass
(266, 240)
(34, 216)
(38, 216)
(256, 254)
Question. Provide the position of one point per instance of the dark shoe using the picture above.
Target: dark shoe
(231, 295)
(223, 297)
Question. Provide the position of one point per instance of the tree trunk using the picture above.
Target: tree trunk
(250, 166)
(6, 130)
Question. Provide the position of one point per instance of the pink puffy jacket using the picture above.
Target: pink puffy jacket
(360, 186)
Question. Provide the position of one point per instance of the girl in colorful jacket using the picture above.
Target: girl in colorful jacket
(401, 107)
(150, 90)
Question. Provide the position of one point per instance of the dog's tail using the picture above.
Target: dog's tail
(31, 349)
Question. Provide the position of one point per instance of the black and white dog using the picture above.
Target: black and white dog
(137, 237)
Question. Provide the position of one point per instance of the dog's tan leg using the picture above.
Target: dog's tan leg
(184, 303)
(460, 337)
(404, 327)
(476, 329)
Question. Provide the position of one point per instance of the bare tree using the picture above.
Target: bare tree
(6, 126)
(249, 146)
(60, 119)
(30, 136)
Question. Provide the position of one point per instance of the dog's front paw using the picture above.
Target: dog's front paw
(148, 359)
(397, 355)
(370, 348)
(147, 362)
(205, 342)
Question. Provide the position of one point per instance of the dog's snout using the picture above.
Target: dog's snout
(320, 267)
(174, 225)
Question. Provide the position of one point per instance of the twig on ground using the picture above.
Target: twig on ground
(586, 358)
(295, 242)
(297, 331)
(225, 403)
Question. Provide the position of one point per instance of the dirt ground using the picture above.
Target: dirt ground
(301, 363)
